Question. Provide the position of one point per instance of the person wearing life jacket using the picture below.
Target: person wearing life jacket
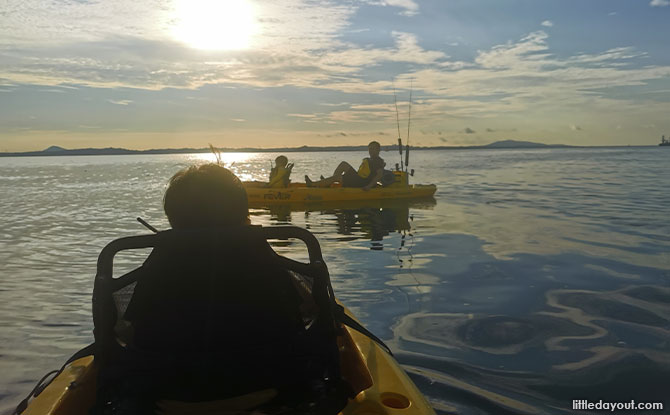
(366, 177)
(207, 309)
(280, 173)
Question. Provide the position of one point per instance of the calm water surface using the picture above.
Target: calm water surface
(534, 278)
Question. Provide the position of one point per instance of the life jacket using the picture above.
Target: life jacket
(364, 168)
(369, 166)
(279, 177)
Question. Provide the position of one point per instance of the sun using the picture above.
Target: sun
(215, 24)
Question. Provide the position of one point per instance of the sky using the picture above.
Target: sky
(262, 73)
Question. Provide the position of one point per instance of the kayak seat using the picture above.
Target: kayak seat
(216, 317)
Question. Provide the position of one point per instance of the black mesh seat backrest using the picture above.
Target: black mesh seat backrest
(215, 311)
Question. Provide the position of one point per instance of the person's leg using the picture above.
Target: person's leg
(321, 183)
(341, 169)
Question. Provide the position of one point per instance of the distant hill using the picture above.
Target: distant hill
(110, 151)
(520, 144)
(54, 149)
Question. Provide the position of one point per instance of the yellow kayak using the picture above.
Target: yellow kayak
(377, 383)
(297, 193)
(385, 387)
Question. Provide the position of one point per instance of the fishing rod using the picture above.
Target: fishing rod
(146, 224)
(409, 120)
(397, 119)
(404, 163)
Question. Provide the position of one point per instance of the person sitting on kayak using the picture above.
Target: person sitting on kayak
(280, 173)
(212, 307)
(366, 177)
(204, 197)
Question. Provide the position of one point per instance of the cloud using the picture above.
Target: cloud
(120, 101)
(351, 58)
(615, 54)
(410, 7)
(526, 77)
(547, 23)
(659, 3)
(335, 104)
(526, 51)
(352, 134)
(148, 64)
(54, 90)
(302, 115)
(574, 127)
(468, 130)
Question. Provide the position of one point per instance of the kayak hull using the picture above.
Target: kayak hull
(384, 386)
(298, 193)
(71, 392)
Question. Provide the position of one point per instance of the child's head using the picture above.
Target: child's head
(205, 196)
(281, 161)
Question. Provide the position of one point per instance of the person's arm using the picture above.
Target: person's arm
(378, 175)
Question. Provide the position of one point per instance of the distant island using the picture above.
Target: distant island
(522, 144)
(113, 151)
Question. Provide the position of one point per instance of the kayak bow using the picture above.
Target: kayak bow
(386, 388)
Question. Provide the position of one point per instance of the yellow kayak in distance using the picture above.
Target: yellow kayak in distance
(297, 193)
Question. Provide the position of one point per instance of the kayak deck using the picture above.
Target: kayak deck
(258, 193)
(384, 386)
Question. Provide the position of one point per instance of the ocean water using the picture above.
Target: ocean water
(533, 278)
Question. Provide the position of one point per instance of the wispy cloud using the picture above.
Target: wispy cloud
(302, 115)
(659, 3)
(120, 101)
(547, 23)
(352, 134)
(409, 7)
(528, 76)
(54, 90)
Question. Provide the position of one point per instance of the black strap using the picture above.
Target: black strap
(344, 318)
(41, 385)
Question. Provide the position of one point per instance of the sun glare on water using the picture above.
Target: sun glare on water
(215, 24)
(244, 165)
